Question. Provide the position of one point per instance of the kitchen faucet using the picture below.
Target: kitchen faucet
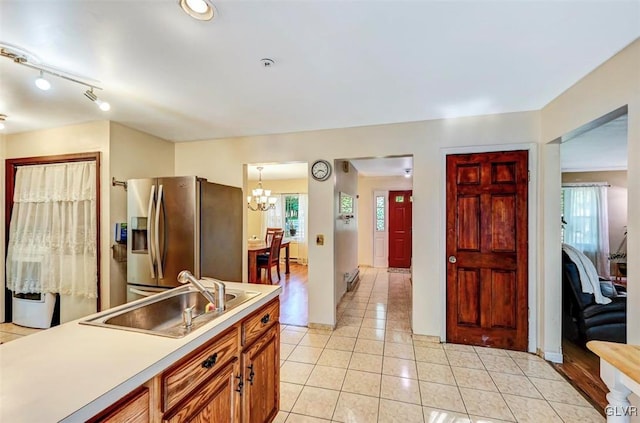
(186, 277)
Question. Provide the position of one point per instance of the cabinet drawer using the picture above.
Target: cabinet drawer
(179, 380)
(256, 324)
(134, 408)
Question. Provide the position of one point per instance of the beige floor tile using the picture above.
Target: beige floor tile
(399, 412)
(431, 355)
(445, 397)
(538, 369)
(531, 410)
(434, 415)
(281, 417)
(459, 347)
(318, 331)
(314, 340)
(398, 315)
(285, 350)
(327, 377)
(438, 373)
(515, 385)
(399, 367)
(559, 391)
(289, 336)
(347, 331)
(288, 395)
(304, 354)
(399, 325)
(375, 314)
(425, 343)
(400, 389)
(500, 364)
(341, 343)
(478, 419)
(316, 402)
(354, 408)
(303, 329)
(357, 304)
(373, 306)
(491, 351)
(399, 351)
(17, 329)
(398, 337)
(373, 323)
(368, 346)
(371, 333)
(354, 312)
(294, 372)
(366, 362)
(335, 358)
(364, 383)
(473, 378)
(350, 321)
(463, 359)
(299, 418)
(485, 403)
(576, 414)
(524, 355)
(8, 337)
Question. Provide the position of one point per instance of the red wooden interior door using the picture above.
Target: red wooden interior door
(487, 249)
(400, 229)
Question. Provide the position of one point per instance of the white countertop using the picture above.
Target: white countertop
(72, 372)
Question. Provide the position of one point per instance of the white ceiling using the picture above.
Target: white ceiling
(602, 148)
(393, 166)
(278, 171)
(337, 63)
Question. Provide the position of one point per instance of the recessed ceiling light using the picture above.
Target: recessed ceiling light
(202, 10)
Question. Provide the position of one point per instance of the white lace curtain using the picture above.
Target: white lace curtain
(52, 235)
(587, 228)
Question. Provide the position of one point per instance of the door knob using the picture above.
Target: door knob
(452, 259)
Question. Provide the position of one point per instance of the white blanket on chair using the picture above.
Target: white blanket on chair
(588, 275)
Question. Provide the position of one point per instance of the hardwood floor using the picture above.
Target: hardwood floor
(294, 297)
(582, 368)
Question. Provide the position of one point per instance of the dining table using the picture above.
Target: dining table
(261, 248)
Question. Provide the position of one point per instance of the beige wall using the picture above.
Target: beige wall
(223, 160)
(134, 154)
(616, 200)
(82, 138)
(612, 85)
(366, 186)
(345, 230)
(277, 186)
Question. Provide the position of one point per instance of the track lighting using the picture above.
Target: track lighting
(103, 105)
(2, 119)
(407, 173)
(24, 58)
(42, 83)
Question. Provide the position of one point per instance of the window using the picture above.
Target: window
(380, 213)
(289, 214)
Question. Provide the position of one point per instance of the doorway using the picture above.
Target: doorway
(487, 249)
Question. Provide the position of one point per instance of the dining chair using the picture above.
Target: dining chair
(267, 240)
(267, 261)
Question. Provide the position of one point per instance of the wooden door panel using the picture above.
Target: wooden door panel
(487, 236)
(469, 219)
(400, 221)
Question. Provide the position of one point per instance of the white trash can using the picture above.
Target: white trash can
(33, 310)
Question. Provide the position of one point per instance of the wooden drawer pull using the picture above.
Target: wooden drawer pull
(209, 362)
(265, 319)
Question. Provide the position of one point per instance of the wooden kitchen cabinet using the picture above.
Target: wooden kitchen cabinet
(215, 400)
(261, 367)
(134, 408)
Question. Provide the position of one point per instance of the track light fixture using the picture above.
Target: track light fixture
(21, 57)
(103, 105)
(407, 173)
(2, 119)
(42, 83)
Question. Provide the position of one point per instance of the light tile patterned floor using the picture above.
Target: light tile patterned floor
(371, 369)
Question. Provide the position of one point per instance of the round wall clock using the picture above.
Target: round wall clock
(321, 170)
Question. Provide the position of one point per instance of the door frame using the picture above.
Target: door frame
(532, 218)
(376, 193)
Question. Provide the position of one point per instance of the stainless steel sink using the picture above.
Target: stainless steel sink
(161, 314)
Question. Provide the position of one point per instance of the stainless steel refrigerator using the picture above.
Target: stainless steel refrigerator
(181, 223)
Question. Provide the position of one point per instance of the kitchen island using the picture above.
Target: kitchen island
(75, 372)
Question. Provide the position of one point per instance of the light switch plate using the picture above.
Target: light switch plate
(320, 239)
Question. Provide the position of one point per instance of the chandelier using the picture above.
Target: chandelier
(261, 200)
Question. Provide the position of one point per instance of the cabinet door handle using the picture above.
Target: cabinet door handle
(210, 361)
(240, 384)
(251, 375)
(265, 319)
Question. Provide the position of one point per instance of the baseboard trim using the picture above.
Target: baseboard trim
(320, 326)
(554, 357)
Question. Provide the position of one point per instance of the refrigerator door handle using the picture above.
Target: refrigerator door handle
(157, 237)
(151, 254)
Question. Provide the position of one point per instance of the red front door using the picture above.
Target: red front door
(487, 249)
(400, 229)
